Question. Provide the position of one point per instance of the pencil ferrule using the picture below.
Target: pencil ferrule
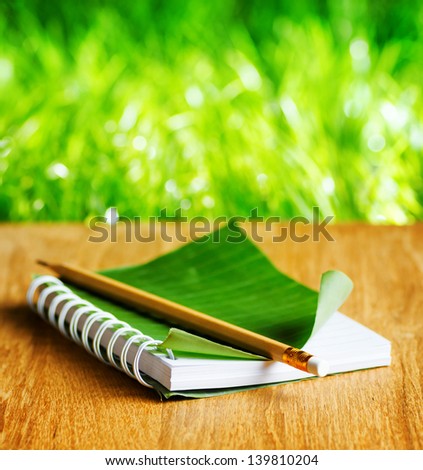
(296, 358)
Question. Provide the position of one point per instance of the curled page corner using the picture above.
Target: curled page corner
(335, 287)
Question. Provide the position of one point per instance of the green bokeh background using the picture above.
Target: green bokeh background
(215, 107)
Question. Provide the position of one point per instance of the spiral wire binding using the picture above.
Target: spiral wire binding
(107, 320)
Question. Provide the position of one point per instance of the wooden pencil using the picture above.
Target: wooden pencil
(189, 318)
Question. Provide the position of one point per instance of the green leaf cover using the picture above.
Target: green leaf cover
(226, 276)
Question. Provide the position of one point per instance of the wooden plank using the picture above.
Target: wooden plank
(53, 395)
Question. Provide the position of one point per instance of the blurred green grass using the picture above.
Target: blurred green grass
(216, 107)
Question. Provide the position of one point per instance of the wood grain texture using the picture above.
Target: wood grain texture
(53, 395)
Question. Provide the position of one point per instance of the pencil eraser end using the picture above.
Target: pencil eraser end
(317, 366)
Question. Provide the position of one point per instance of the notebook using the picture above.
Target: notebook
(224, 275)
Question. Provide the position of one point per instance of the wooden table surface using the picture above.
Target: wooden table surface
(53, 395)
